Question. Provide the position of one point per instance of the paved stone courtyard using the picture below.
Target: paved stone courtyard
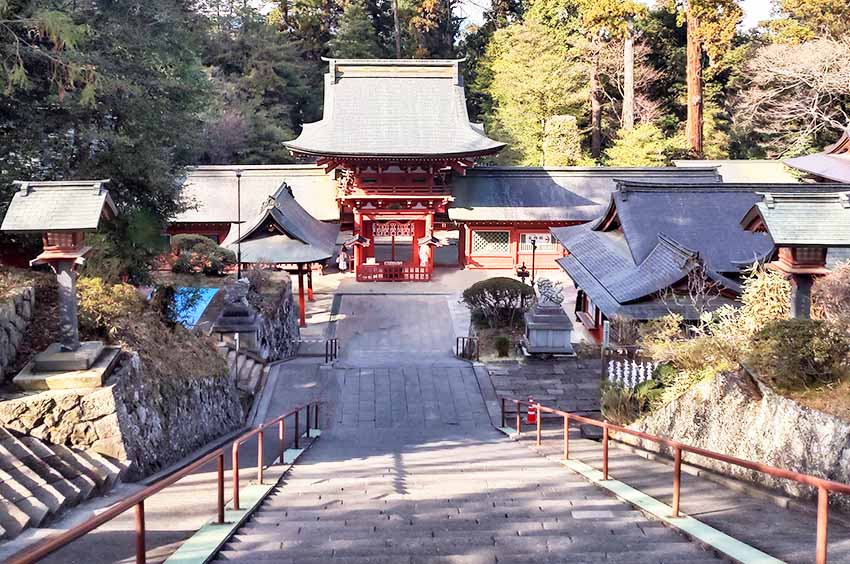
(569, 384)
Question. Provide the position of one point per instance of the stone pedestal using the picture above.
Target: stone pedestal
(58, 359)
(548, 330)
(238, 321)
(92, 376)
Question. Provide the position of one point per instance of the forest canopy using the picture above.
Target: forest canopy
(136, 90)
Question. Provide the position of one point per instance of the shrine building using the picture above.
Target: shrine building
(397, 163)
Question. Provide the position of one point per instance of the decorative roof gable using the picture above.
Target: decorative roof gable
(58, 206)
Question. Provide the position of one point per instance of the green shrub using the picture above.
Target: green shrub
(796, 353)
(499, 301)
(103, 306)
(503, 346)
(197, 253)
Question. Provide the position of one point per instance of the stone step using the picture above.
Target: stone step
(70, 494)
(18, 499)
(101, 476)
(14, 519)
(69, 472)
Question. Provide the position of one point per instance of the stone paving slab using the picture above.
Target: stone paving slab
(784, 534)
(570, 384)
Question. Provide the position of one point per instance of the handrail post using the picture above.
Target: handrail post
(518, 418)
(281, 437)
(539, 419)
(566, 437)
(823, 524)
(308, 420)
(236, 476)
(260, 441)
(504, 420)
(297, 428)
(316, 415)
(677, 479)
(605, 450)
(140, 533)
(220, 499)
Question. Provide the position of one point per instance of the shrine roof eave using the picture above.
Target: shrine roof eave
(448, 156)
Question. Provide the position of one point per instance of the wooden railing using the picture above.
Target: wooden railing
(136, 501)
(824, 487)
(393, 273)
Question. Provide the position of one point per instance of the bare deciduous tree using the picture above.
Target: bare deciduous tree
(612, 67)
(795, 92)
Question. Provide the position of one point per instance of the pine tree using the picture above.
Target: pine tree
(356, 37)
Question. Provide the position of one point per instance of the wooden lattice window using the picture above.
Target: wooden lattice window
(491, 243)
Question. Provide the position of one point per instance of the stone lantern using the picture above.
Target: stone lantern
(63, 212)
(548, 328)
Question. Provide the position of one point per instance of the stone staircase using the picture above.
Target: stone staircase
(38, 481)
(445, 500)
(251, 368)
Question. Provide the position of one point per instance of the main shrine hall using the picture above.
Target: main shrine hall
(396, 163)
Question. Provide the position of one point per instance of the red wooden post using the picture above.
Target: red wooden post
(302, 315)
(518, 418)
(236, 476)
(539, 425)
(308, 420)
(310, 282)
(566, 437)
(221, 488)
(605, 451)
(140, 533)
(677, 480)
(260, 458)
(823, 525)
(298, 429)
(281, 437)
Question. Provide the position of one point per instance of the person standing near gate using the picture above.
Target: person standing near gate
(342, 260)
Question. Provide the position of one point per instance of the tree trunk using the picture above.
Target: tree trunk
(694, 125)
(397, 30)
(595, 107)
(629, 82)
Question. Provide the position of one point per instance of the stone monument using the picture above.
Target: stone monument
(63, 212)
(547, 326)
(238, 324)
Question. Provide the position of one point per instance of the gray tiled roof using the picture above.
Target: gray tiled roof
(394, 107)
(283, 232)
(705, 218)
(58, 206)
(211, 191)
(662, 228)
(796, 219)
(552, 194)
(833, 163)
(740, 170)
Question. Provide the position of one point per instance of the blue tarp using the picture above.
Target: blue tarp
(191, 303)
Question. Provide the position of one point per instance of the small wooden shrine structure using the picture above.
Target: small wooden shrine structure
(803, 227)
(285, 235)
(394, 132)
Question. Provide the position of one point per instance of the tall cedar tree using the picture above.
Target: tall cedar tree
(804, 20)
(712, 27)
(356, 37)
(433, 28)
(136, 122)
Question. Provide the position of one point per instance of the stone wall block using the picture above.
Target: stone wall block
(726, 414)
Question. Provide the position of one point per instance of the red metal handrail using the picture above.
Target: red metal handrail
(51, 544)
(280, 421)
(824, 486)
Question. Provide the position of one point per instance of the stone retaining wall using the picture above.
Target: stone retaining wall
(279, 332)
(149, 423)
(15, 315)
(735, 415)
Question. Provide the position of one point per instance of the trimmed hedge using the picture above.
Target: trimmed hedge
(500, 301)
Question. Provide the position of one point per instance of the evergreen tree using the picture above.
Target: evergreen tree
(645, 145)
(136, 123)
(356, 37)
(433, 28)
(804, 20)
(536, 76)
